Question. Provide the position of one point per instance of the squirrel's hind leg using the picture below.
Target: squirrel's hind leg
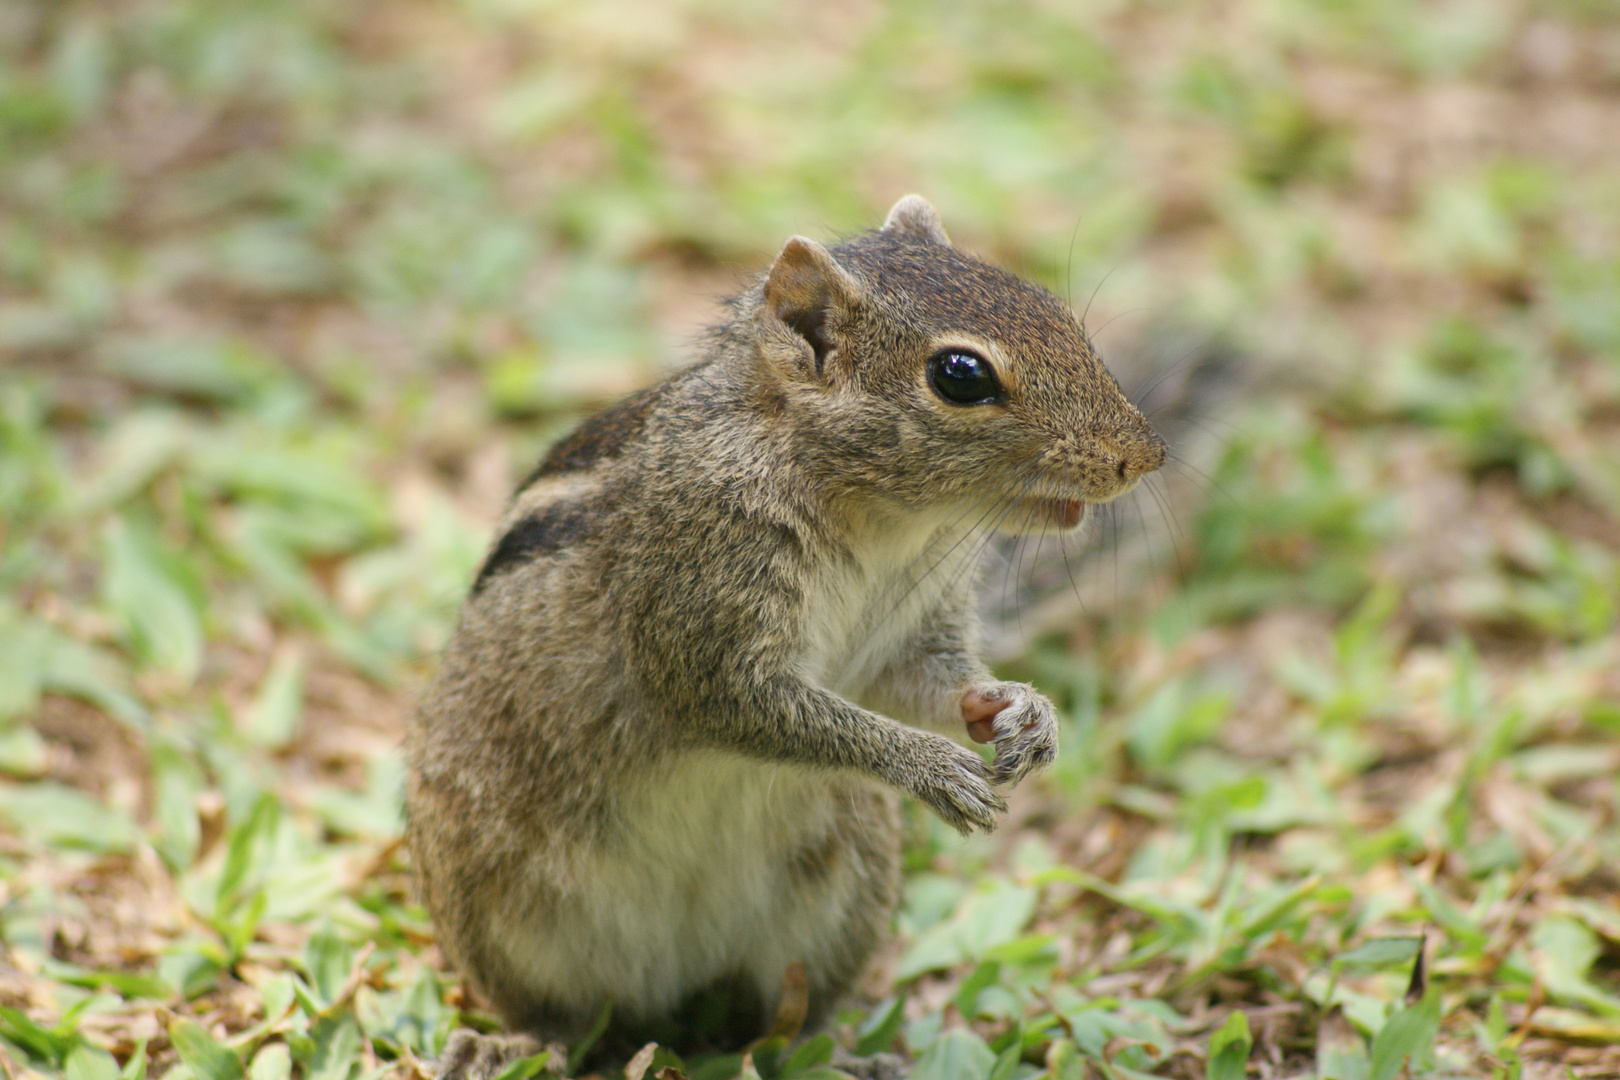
(471, 1056)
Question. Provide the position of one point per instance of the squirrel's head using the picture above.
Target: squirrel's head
(940, 380)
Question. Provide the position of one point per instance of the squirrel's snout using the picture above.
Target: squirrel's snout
(1139, 453)
(1109, 464)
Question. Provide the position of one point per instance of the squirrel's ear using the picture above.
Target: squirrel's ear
(915, 218)
(804, 284)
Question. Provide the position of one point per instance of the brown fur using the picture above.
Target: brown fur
(664, 751)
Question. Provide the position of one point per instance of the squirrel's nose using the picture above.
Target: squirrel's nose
(1140, 452)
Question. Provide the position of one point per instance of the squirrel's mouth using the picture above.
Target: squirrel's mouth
(1061, 513)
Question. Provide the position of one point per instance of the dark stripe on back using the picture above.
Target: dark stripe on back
(547, 530)
(601, 437)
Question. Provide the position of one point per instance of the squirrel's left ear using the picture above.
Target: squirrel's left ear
(804, 287)
(915, 218)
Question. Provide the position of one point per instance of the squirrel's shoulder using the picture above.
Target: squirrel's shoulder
(600, 437)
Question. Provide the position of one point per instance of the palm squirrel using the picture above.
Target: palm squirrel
(728, 622)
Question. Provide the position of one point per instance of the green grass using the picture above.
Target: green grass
(291, 292)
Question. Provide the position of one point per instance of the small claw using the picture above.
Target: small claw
(959, 789)
(973, 806)
(1026, 740)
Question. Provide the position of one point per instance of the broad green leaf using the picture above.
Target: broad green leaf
(39, 657)
(882, 1028)
(45, 1046)
(1341, 1054)
(72, 667)
(720, 1067)
(304, 883)
(1229, 1047)
(1007, 1060)
(525, 1068)
(812, 1054)
(54, 814)
(248, 847)
(138, 448)
(328, 960)
(22, 751)
(1065, 1062)
(337, 1049)
(427, 1017)
(272, 1062)
(276, 992)
(27, 643)
(1564, 951)
(1578, 1025)
(1172, 720)
(1407, 1038)
(159, 618)
(176, 783)
(990, 916)
(84, 1006)
(374, 813)
(135, 1067)
(127, 983)
(187, 366)
(967, 995)
(86, 1062)
(239, 927)
(192, 966)
(272, 720)
(958, 1054)
(313, 498)
(207, 1058)
(1380, 953)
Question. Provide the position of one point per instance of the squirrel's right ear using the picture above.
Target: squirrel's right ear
(805, 284)
(914, 217)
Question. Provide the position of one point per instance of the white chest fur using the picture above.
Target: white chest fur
(860, 612)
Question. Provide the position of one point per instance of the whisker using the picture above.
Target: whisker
(1147, 543)
(1175, 547)
(1063, 550)
(1010, 502)
(1113, 522)
(1178, 460)
(1094, 334)
(1097, 289)
(1162, 497)
(1015, 565)
(1068, 271)
(1139, 396)
(1040, 538)
(882, 610)
(1199, 420)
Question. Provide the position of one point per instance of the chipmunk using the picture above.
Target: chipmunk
(728, 622)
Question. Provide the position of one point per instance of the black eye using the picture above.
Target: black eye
(963, 378)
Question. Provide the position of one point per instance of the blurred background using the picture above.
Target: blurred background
(292, 291)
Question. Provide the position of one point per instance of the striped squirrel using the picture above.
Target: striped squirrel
(727, 622)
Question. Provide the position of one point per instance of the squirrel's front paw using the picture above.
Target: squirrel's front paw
(955, 783)
(1020, 721)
